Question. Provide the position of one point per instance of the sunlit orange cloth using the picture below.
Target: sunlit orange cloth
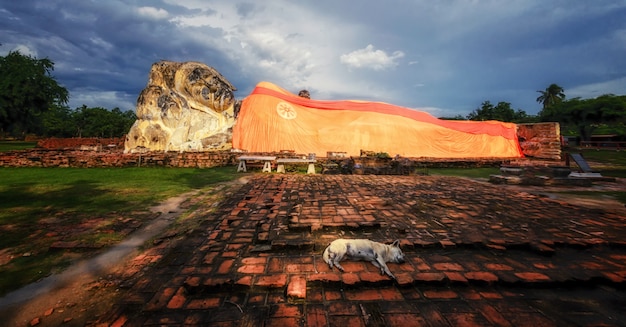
(272, 119)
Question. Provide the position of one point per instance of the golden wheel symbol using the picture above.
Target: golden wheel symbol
(286, 111)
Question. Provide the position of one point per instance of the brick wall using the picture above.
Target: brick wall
(114, 158)
(540, 140)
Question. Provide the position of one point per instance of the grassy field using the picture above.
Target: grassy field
(96, 207)
(609, 163)
(16, 145)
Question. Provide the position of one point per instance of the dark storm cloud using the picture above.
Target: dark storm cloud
(443, 57)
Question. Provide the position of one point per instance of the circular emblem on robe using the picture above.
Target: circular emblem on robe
(286, 110)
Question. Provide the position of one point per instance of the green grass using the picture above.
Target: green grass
(612, 157)
(40, 206)
(610, 163)
(16, 145)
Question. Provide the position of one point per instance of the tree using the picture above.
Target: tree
(501, 112)
(587, 114)
(27, 89)
(552, 95)
(100, 122)
(57, 122)
(457, 117)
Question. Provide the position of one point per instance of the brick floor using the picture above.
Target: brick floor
(477, 255)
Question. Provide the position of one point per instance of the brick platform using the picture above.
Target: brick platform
(477, 255)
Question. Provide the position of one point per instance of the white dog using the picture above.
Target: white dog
(360, 249)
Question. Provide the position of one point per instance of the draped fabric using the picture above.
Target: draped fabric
(272, 119)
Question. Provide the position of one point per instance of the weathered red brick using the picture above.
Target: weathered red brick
(350, 278)
(429, 277)
(254, 261)
(346, 321)
(531, 277)
(496, 247)
(492, 315)
(120, 321)
(470, 294)
(203, 304)
(230, 254)
(420, 264)
(316, 316)
(193, 281)
(286, 310)
(245, 281)
(324, 277)
(391, 294)
(498, 266)
(363, 295)
(178, 300)
(543, 265)
(225, 266)
(440, 294)
(251, 269)
(455, 277)
(322, 266)
(297, 287)
(615, 278)
(216, 281)
(160, 299)
(466, 319)
(314, 295)
(405, 320)
(404, 279)
(481, 276)
(275, 265)
(299, 268)
(342, 308)
(283, 322)
(433, 316)
(447, 244)
(491, 295)
(448, 266)
(331, 295)
(272, 281)
(373, 277)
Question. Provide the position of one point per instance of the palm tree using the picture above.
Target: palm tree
(552, 95)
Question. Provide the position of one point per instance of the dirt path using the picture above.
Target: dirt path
(84, 291)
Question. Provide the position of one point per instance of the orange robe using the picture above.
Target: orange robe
(272, 119)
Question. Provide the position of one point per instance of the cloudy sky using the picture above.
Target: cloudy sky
(445, 57)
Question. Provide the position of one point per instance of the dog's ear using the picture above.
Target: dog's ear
(396, 243)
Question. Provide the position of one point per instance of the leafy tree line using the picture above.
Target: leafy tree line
(605, 114)
(502, 112)
(85, 122)
(32, 102)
